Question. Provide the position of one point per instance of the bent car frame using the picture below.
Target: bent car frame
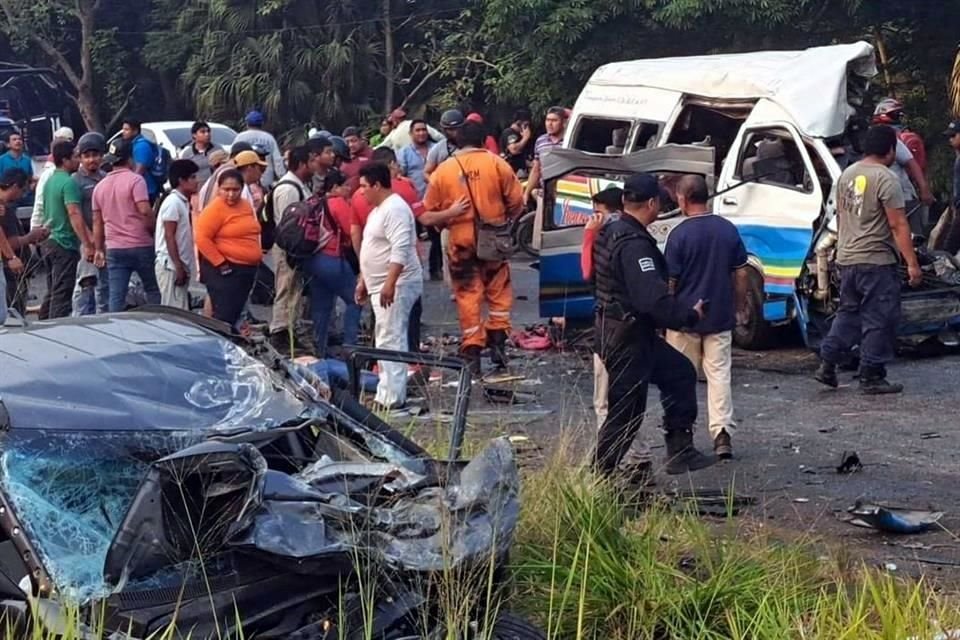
(159, 473)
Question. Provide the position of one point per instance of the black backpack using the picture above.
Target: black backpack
(268, 218)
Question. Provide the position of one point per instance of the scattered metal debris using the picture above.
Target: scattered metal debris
(892, 519)
(801, 500)
(500, 395)
(930, 435)
(850, 463)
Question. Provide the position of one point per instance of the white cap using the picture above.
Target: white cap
(64, 133)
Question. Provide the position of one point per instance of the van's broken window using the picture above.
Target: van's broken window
(601, 135)
(776, 147)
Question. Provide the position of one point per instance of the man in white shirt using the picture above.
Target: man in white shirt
(174, 237)
(390, 275)
(36, 220)
(288, 284)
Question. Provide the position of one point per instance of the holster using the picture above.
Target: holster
(614, 327)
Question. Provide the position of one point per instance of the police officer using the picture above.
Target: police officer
(633, 304)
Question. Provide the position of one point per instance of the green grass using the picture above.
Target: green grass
(589, 563)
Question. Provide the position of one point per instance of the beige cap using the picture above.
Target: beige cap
(64, 133)
(247, 158)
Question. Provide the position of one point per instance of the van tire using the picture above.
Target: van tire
(756, 333)
(523, 234)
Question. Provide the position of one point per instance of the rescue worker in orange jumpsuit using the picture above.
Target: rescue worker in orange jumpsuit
(475, 182)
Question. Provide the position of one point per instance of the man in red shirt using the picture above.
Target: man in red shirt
(360, 154)
(489, 143)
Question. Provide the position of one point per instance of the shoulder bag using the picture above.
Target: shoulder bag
(495, 242)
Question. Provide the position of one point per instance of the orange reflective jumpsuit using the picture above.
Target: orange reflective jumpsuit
(498, 196)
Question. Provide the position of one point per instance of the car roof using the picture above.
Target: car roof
(176, 124)
(137, 371)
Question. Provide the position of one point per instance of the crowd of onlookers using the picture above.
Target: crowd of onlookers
(103, 214)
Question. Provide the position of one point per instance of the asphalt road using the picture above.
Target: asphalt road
(792, 434)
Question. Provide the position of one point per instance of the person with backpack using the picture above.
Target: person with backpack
(174, 236)
(331, 272)
(292, 188)
(150, 160)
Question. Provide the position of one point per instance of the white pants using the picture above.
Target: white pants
(391, 333)
(639, 449)
(711, 353)
(170, 294)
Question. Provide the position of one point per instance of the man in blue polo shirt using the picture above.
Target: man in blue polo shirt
(144, 155)
(706, 260)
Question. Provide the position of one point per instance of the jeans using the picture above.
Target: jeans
(330, 277)
(61, 277)
(3, 300)
(121, 263)
(391, 328)
(631, 368)
(91, 292)
(868, 316)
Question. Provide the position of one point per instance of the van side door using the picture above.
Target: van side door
(777, 212)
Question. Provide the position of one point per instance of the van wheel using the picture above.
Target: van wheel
(523, 234)
(756, 333)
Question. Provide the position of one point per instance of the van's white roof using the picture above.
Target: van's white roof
(811, 84)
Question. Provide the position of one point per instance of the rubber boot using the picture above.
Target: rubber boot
(471, 356)
(827, 374)
(682, 456)
(497, 341)
(873, 382)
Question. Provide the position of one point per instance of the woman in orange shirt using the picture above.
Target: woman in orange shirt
(228, 240)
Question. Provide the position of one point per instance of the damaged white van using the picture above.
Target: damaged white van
(788, 110)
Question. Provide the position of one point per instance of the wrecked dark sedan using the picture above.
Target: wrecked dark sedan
(159, 474)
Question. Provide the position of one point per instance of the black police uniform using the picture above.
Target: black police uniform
(633, 303)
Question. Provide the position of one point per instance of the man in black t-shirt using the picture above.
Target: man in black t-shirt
(515, 143)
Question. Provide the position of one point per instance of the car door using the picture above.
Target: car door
(777, 211)
(572, 177)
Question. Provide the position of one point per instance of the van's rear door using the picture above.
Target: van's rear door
(572, 178)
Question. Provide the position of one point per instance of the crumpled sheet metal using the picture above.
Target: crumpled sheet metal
(893, 519)
(427, 530)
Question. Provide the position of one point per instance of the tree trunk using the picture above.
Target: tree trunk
(86, 100)
(87, 103)
(388, 58)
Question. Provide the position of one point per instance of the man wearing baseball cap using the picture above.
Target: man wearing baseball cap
(256, 136)
(633, 305)
(91, 292)
(61, 134)
(252, 168)
(123, 224)
(450, 123)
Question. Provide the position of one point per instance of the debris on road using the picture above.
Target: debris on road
(892, 519)
(507, 396)
(930, 435)
(850, 463)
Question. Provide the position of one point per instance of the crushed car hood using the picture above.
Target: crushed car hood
(136, 446)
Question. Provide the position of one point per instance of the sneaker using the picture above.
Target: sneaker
(827, 375)
(722, 446)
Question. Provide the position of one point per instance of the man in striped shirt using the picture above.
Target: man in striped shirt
(556, 122)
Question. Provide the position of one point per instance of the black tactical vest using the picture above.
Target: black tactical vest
(606, 279)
